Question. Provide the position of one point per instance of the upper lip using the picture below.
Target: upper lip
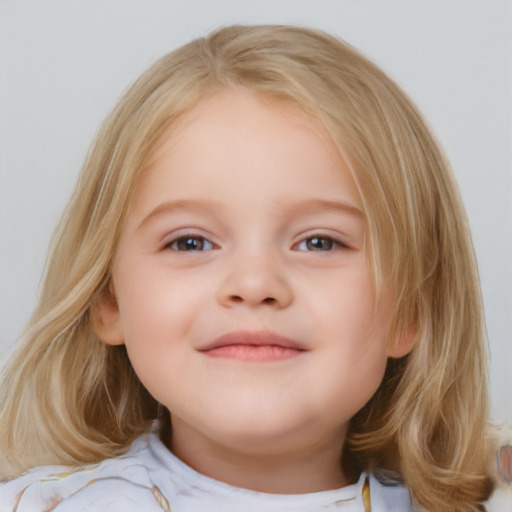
(254, 338)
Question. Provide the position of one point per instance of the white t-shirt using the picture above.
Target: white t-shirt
(149, 478)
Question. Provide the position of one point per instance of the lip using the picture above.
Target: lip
(253, 346)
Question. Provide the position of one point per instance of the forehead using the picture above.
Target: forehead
(241, 136)
(221, 112)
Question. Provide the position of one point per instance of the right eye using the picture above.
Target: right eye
(190, 244)
(320, 243)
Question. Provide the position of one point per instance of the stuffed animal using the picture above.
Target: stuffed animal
(501, 499)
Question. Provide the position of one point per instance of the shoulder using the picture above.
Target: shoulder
(118, 484)
(396, 498)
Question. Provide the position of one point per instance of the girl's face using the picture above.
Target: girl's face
(243, 294)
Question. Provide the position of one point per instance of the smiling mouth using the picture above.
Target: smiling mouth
(248, 346)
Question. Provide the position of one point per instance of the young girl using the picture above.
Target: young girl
(262, 296)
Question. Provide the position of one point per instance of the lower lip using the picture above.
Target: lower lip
(253, 353)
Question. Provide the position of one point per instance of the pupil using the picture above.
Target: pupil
(191, 244)
(319, 244)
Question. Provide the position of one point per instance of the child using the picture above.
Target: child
(262, 296)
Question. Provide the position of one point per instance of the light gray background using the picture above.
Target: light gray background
(64, 63)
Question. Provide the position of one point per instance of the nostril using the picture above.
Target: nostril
(238, 299)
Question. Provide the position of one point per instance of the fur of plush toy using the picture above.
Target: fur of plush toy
(501, 499)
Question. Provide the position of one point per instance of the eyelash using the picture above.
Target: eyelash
(174, 245)
(191, 243)
(332, 244)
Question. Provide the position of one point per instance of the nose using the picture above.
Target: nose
(257, 280)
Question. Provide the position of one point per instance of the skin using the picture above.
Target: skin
(247, 223)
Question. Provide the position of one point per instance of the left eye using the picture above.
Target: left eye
(318, 243)
(190, 244)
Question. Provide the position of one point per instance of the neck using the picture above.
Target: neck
(282, 470)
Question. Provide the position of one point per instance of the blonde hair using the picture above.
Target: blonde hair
(68, 398)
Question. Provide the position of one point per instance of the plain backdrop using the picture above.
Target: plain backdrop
(64, 63)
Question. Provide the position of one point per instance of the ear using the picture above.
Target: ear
(106, 320)
(403, 343)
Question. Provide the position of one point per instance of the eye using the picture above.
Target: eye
(319, 243)
(190, 244)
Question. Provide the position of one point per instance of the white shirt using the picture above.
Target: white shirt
(149, 478)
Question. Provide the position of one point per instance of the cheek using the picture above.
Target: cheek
(157, 313)
(155, 302)
(346, 305)
(357, 331)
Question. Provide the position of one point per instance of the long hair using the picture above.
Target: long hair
(68, 398)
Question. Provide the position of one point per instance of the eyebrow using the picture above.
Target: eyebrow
(208, 205)
(322, 205)
(200, 205)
